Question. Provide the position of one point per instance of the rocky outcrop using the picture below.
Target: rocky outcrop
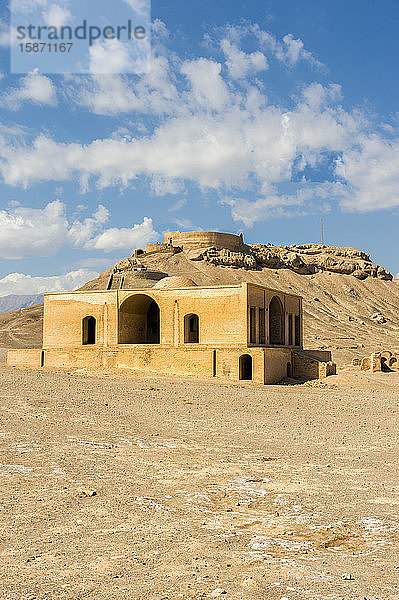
(226, 258)
(304, 259)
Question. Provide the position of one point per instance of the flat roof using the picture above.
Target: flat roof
(160, 289)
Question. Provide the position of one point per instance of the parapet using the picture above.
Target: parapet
(191, 240)
(161, 247)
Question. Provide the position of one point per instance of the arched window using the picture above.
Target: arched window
(245, 367)
(139, 320)
(276, 322)
(191, 329)
(88, 331)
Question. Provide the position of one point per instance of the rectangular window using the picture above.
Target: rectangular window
(290, 331)
(297, 330)
(252, 325)
(262, 332)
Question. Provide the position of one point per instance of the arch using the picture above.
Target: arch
(276, 322)
(386, 364)
(191, 329)
(139, 321)
(245, 367)
(89, 331)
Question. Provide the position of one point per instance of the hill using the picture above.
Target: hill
(351, 305)
(22, 328)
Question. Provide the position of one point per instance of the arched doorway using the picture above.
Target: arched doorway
(139, 321)
(88, 331)
(191, 329)
(276, 322)
(245, 367)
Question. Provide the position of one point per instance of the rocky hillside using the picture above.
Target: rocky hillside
(351, 305)
(22, 328)
(305, 259)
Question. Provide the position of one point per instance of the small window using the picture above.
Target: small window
(88, 331)
(191, 329)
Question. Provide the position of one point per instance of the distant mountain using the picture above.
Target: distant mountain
(15, 301)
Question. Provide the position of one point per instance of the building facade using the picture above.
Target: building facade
(239, 332)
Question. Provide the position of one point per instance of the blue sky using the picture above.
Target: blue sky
(260, 117)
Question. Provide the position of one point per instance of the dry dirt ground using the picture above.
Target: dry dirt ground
(126, 486)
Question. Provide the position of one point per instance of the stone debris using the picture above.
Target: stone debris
(85, 493)
(378, 317)
(217, 593)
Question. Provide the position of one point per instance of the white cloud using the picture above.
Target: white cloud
(110, 56)
(209, 91)
(290, 51)
(35, 88)
(294, 51)
(56, 16)
(140, 7)
(111, 94)
(178, 205)
(19, 283)
(371, 171)
(212, 125)
(8, 35)
(124, 238)
(108, 95)
(82, 231)
(31, 231)
(28, 6)
(274, 205)
(240, 64)
(216, 149)
(42, 232)
(162, 186)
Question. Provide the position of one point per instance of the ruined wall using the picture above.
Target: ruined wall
(269, 365)
(190, 240)
(25, 358)
(160, 247)
(312, 366)
(222, 363)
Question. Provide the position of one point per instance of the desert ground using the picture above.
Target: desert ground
(134, 486)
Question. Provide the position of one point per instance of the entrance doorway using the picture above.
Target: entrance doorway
(245, 367)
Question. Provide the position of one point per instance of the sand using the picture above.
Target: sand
(126, 486)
